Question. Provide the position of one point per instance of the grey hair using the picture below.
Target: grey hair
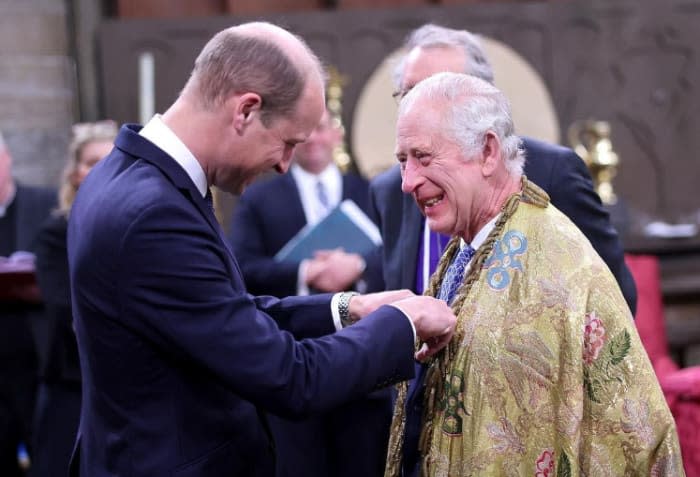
(3, 146)
(473, 108)
(236, 61)
(431, 35)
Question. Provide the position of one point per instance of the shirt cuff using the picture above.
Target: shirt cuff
(336, 313)
(302, 287)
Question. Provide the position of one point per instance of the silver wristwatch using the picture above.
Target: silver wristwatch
(344, 308)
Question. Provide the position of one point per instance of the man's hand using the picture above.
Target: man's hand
(362, 305)
(434, 321)
(334, 270)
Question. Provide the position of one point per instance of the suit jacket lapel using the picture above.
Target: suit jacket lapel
(295, 216)
(131, 143)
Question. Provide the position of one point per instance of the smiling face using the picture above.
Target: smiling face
(444, 183)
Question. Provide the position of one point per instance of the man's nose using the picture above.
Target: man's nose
(410, 177)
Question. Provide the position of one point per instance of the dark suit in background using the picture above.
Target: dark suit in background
(58, 400)
(178, 361)
(268, 214)
(558, 170)
(352, 439)
(22, 326)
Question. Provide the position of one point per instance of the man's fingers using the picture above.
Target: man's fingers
(433, 345)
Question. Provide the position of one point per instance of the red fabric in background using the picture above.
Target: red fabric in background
(680, 386)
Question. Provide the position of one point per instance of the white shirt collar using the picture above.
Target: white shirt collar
(8, 202)
(162, 136)
(306, 185)
(482, 234)
(330, 176)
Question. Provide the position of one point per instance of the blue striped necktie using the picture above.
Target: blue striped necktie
(322, 196)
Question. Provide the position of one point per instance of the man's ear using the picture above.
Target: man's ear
(490, 154)
(246, 107)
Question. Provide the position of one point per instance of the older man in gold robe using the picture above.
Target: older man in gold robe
(546, 374)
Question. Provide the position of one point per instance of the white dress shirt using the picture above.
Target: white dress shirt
(162, 136)
(331, 179)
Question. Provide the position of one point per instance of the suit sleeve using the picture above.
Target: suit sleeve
(179, 294)
(263, 275)
(572, 192)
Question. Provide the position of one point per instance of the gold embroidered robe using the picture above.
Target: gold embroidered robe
(548, 377)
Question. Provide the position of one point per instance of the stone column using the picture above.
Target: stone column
(37, 87)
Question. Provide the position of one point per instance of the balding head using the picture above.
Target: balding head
(433, 49)
(255, 57)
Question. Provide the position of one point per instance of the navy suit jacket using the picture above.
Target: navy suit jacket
(558, 170)
(177, 359)
(30, 207)
(268, 214)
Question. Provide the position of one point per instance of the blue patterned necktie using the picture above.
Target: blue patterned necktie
(322, 197)
(454, 274)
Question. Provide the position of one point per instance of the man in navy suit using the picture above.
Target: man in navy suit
(268, 214)
(409, 252)
(22, 211)
(178, 362)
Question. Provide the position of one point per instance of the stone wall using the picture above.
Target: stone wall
(37, 87)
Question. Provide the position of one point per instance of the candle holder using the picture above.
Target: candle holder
(591, 140)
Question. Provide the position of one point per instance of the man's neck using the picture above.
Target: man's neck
(500, 193)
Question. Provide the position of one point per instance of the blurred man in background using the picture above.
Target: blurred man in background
(22, 210)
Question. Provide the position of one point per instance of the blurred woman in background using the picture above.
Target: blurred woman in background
(58, 401)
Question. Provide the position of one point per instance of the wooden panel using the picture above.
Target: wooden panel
(349, 4)
(169, 8)
(245, 7)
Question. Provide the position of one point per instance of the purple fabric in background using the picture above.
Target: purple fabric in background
(438, 242)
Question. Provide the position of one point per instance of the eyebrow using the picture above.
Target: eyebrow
(400, 93)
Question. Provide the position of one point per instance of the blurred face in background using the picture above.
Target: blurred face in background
(5, 173)
(316, 153)
(90, 154)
